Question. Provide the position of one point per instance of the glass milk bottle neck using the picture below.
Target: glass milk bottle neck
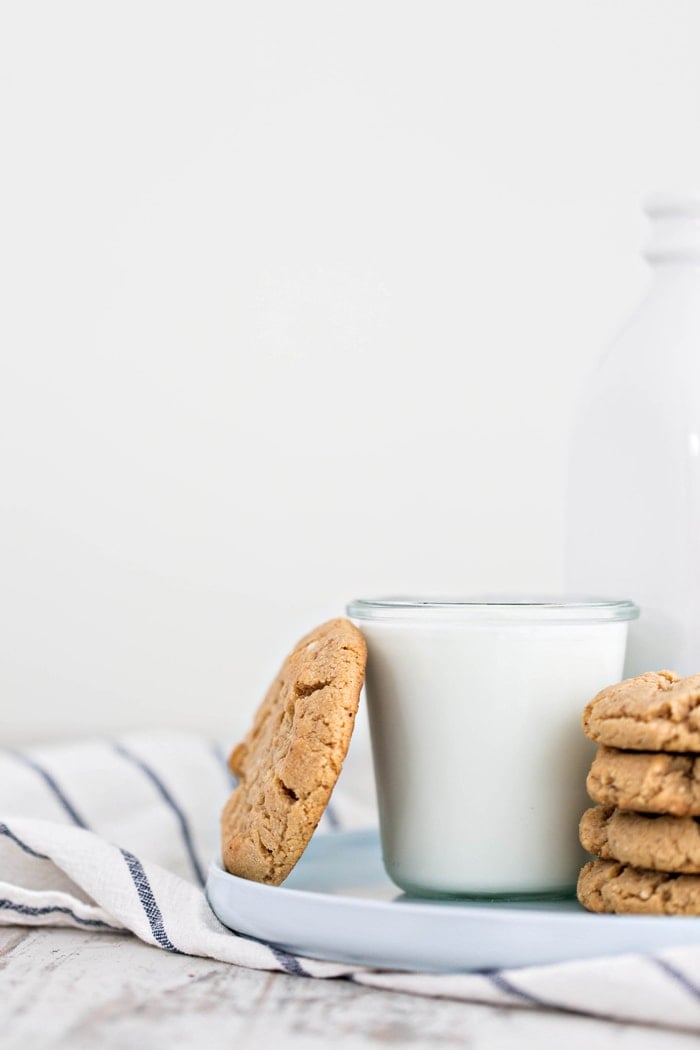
(674, 242)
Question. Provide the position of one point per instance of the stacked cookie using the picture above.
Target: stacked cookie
(645, 830)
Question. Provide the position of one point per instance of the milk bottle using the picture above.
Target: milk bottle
(634, 489)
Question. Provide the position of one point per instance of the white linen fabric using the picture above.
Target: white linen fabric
(116, 835)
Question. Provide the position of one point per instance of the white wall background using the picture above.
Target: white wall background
(295, 304)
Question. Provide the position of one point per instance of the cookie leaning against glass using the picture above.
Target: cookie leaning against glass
(288, 763)
(645, 779)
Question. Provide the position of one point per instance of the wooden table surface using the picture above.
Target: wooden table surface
(64, 988)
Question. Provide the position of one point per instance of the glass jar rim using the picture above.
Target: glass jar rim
(494, 608)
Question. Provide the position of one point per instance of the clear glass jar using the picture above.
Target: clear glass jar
(475, 717)
(634, 485)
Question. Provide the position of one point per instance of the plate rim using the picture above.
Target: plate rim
(500, 911)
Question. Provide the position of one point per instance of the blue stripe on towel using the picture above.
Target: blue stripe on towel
(25, 909)
(170, 801)
(148, 901)
(289, 963)
(51, 783)
(678, 977)
(504, 985)
(4, 830)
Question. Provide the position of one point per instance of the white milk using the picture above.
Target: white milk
(475, 716)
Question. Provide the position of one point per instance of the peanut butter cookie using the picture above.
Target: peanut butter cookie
(646, 781)
(606, 886)
(660, 843)
(289, 762)
(657, 711)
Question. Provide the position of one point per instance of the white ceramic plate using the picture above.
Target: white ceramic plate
(339, 904)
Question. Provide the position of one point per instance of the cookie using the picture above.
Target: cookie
(660, 843)
(657, 711)
(289, 762)
(606, 886)
(646, 782)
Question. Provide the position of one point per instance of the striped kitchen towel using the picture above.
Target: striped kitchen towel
(116, 836)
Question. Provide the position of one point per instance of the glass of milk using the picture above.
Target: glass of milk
(475, 716)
